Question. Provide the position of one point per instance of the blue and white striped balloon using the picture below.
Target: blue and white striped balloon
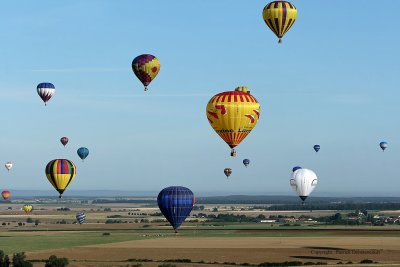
(80, 217)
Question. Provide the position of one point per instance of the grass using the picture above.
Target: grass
(11, 242)
(31, 239)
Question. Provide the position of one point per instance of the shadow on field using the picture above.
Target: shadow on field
(314, 258)
(326, 248)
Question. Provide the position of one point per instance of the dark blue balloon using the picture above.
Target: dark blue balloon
(383, 145)
(317, 147)
(246, 162)
(83, 152)
(176, 203)
(296, 168)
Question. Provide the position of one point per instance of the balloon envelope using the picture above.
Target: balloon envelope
(64, 140)
(317, 148)
(228, 172)
(8, 165)
(303, 182)
(176, 203)
(60, 173)
(383, 145)
(279, 17)
(246, 162)
(146, 68)
(233, 114)
(27, 208)
(45, 91)
(5, 194)
(80, 217)
(83, 152)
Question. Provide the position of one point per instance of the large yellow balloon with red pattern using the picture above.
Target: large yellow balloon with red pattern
(233, 114)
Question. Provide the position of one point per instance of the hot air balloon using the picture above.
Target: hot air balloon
(246, 162)
(5, 194)
(228, 172)
(383, 145)
(45, 91)
(317, 148)
(176, 203)
(80, 217)
(233, 115)
(8, 165)
(279, 17)
(60, 173)
(64, 140)
(303, 182)
(83, 152)
(27, 208)
(146, 68)
(296, 168)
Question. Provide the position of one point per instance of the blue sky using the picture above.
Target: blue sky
(333, 81)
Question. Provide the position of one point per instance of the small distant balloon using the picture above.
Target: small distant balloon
(8, 165)
(27, 208)
(5, 194)
(246, 162)
(317, 148)
(296, 168)
(64, 141)
(383, 145)
(83, 152)
(228, 172)
(80, 217)
(45, 91)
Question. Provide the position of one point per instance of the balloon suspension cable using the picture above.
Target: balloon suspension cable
(280, 41)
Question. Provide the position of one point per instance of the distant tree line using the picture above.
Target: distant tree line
(335, 206)
(119, 200)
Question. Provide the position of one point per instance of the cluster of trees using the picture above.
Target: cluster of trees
(64, 209)
(229, 217)
(19, 260)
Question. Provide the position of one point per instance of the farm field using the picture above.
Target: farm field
(142, 236)
(83, 244)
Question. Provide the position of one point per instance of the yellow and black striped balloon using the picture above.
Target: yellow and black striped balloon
(280, 17)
